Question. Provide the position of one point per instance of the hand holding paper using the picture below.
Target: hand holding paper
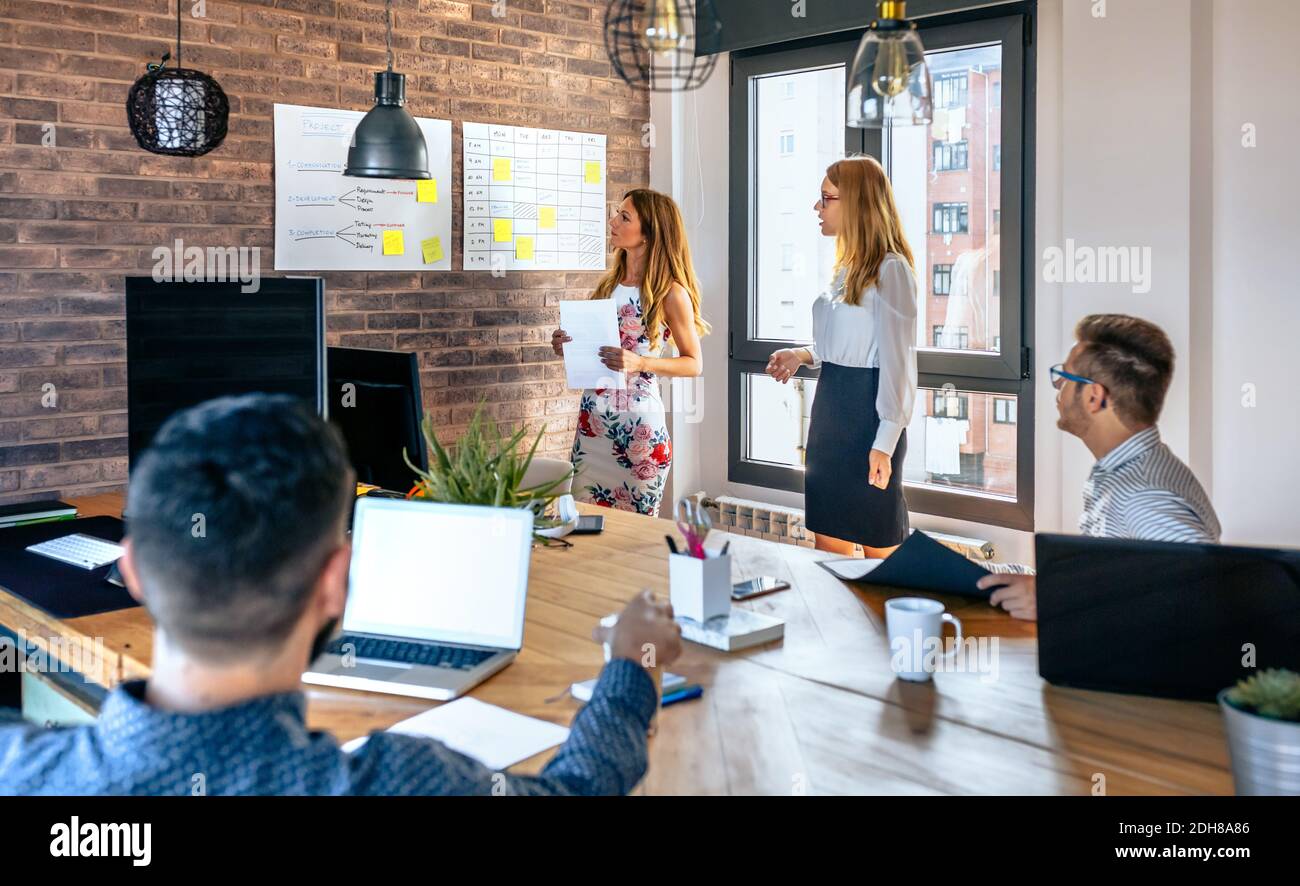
(590, 324)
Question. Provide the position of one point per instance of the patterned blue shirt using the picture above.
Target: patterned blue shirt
(263, 746)
(1140, 489)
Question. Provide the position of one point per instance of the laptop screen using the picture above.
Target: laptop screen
(449, 573)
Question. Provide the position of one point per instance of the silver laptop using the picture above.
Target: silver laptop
(435, 600)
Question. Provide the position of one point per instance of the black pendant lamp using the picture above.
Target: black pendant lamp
(177, 111)
(663, 45)
(388, 143)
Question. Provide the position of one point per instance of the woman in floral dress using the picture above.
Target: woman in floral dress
(621, 450)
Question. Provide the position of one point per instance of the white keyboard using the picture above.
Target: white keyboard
(81, 550)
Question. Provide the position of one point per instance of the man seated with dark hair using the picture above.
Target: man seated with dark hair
(1111, 389)
(237, 546)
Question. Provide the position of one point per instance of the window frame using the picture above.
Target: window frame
(1005, 374)
(951, 151)
(936, 274)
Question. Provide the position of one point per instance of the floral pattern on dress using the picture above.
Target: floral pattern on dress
(621, 450)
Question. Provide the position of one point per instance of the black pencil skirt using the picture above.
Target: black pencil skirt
(838, 500)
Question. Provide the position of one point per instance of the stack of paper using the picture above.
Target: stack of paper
(495, 737)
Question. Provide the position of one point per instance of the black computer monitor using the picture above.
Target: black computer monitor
(374, 399)
(1164, 618)
(190, 342)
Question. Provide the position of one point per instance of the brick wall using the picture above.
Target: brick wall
(77, 218)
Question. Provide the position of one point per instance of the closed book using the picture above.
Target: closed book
(29, 511)
(740, 629)
(6, 525)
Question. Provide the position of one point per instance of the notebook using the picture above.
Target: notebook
(920, 564)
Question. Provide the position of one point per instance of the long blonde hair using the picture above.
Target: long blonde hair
(870, 227)
(668, 262)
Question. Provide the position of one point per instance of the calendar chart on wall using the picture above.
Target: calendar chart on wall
(534, 199)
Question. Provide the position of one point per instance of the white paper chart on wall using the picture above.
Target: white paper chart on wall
(534, 199)
(325, 221)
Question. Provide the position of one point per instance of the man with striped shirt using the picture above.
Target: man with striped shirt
(1110, 392)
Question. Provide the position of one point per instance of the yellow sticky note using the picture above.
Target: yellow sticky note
(593, 172)
(502, 230)
(501, 169)
(426, 190)
(524, 247)
(546, 216)
(432, 249)
(393, 243)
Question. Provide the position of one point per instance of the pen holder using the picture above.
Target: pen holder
(700, 589)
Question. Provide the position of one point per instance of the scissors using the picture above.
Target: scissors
(693, 520)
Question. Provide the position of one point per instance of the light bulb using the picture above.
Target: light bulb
(889, 76)
(663, 31)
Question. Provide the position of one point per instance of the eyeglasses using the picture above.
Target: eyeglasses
(1060, 377)
(826, 198)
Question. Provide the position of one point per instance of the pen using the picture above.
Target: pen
(724, 548)
(681, 695)
(672, 545)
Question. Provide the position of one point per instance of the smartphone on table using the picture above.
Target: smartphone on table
(589, 524)
(743, 590)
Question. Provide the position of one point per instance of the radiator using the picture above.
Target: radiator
(785, 525)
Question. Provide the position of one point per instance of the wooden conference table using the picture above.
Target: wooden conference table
(818, 712)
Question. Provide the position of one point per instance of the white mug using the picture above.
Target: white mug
(915, 626)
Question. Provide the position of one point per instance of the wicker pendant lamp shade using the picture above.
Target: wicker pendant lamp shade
(177, 111)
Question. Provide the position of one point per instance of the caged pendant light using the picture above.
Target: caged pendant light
(890, 80)
(653, 44)
(387, 142)
(177, 111)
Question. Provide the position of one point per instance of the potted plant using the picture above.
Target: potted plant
(484, 467)
(1262, 714)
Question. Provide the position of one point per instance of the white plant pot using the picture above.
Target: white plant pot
(1265, 752)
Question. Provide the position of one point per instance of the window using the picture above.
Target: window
(787, 201)
(969, 455)
(787, 256)
(951, 218)
(949, 405)
(955, 337)
(789, 88)
(942, 279)
(950, 90)
(950, 156)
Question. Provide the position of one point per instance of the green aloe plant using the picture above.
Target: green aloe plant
(1273, 693)
(483, 467)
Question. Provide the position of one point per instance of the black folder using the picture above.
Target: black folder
(61, 589)
(921, 564)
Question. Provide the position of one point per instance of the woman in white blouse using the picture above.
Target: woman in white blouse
(864, 334)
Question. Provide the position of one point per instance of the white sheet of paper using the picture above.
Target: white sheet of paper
(495, 737)
(592, 324)
(852, 569)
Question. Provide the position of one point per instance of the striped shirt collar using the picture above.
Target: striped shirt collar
(1135, 446)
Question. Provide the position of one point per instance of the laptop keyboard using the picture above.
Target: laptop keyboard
(407, 652)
